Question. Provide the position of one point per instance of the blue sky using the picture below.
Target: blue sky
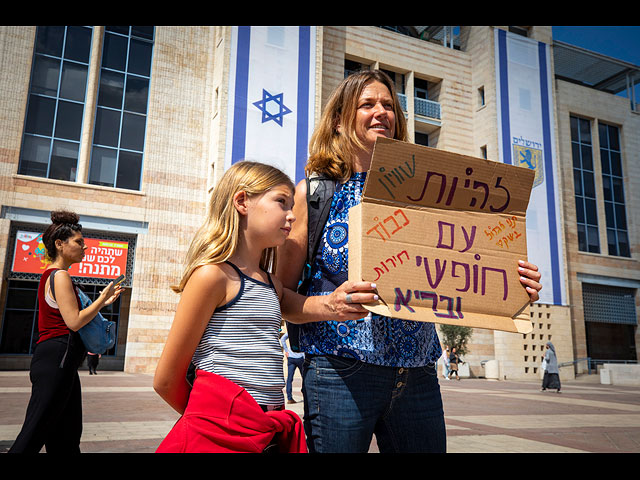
(621, 42)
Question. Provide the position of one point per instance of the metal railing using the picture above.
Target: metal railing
(423, 107)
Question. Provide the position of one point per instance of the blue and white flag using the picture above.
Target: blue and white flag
(526, 138)
(271, 96)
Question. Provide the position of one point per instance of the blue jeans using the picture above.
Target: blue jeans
(347, 401)
(292, 364)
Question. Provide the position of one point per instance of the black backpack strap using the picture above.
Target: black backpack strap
(320, 190)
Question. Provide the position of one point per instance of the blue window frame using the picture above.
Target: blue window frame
(613, 188)
(584, 184)
(121, 111)
(55, 108)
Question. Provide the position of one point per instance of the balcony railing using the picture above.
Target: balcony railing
(424, 108)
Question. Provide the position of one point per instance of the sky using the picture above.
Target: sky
(622, 42)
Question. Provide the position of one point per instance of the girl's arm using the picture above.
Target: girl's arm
(205, 290)
(65, 297)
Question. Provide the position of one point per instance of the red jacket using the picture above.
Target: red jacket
(222, 417)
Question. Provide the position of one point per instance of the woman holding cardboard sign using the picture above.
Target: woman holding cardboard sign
(375, 375)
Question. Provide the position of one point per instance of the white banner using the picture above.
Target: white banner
(526, 138)
(271, 96)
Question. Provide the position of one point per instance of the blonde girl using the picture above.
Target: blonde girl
(228, 318)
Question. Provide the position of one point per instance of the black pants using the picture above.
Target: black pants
(54, 413)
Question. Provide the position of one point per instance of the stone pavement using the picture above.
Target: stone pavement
(122, 414)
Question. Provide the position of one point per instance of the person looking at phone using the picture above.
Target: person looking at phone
(54, 413)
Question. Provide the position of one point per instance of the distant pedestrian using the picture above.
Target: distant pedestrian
(454, 360)
(54, 413)
(294, 360)
(227, 324)
(445, 363)
(551, 378)
(92, 362)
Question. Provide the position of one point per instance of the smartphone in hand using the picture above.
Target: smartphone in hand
(118, 280)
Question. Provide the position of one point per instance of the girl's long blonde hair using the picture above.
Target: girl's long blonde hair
(330, 152)
(217, 239)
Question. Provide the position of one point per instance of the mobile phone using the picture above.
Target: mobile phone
(118, 280)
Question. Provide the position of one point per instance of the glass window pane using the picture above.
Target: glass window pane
(587, 161)
(602, 136)
(64, 161)
(589, 186)
(593, 241)
(129, 170)
(114, 52)
(111, 89)
(612, 242)
(608, 210)
(142, 32)
(133, 132)
(123, 29)
(621, 217)
(585, 131)
(575, 154)
(103, 166)
(580, 210)
(574, 129)
(618, 190)
(614, 141)
(582, 238)
(107, 128)
(577, 182)
(604, 161)
(74, 81)
(49, 40)
(46, 73)
(40, 115)
(136, 95)
(592, 213)
(78, 44)
(616, 164)
(35, 156)
(623, 244)
(69, 120)
(606, 188)
(140, 57)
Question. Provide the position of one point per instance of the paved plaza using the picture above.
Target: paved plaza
(122, 414)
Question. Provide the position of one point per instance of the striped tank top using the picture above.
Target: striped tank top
(241, 341)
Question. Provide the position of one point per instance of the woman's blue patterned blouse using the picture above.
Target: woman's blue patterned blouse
(373, 339)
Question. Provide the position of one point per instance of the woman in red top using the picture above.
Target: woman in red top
(54, 413)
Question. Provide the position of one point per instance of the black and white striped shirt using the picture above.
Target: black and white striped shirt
(241, 342)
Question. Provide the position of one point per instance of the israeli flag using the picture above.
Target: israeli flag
(526, 138)
(271, 96)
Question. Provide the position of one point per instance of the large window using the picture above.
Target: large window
(118, 140)
(613, 188)
(55, 109)
(584, 184)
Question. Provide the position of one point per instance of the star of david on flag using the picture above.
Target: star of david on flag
(267, 110)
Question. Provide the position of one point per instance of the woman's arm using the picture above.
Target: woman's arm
(205, 290)
(293, 254)
(65, 297)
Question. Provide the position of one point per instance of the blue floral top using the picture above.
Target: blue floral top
(373, 339)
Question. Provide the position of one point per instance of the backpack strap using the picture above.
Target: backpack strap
(320, 190)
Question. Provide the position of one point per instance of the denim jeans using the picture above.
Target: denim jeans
(347, 401)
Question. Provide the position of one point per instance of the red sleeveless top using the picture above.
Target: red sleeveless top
(50, 322)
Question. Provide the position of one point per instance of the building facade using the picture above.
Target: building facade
(132, 126)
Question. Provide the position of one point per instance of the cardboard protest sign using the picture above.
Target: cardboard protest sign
(440, 234)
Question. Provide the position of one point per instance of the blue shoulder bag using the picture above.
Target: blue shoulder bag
(99, 335)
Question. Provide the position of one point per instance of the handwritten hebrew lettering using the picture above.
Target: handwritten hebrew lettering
(380, 227)
(402, 300)
(395, 260)
(397, 175)
(467, 238)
